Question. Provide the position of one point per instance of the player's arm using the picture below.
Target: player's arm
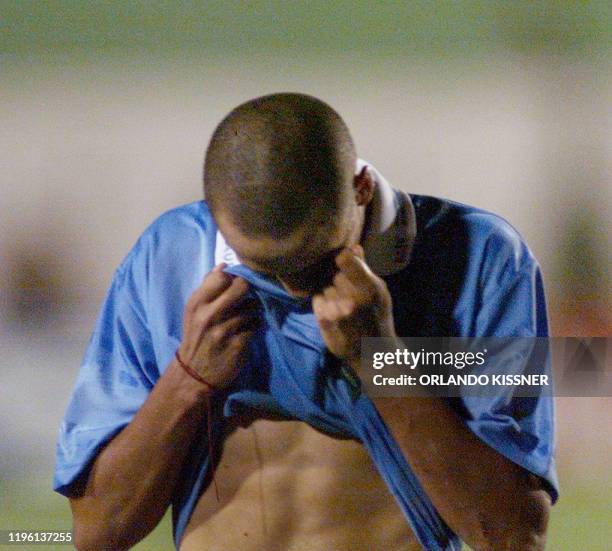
(489, 501)
(131, 482)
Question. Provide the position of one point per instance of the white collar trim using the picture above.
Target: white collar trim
(391, 226)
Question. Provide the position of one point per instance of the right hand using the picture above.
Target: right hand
(217, 324)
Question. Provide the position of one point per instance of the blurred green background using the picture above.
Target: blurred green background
(374, 29)
(107, 107)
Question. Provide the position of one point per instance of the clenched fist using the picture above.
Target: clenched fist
(356, 305)
(218, 322)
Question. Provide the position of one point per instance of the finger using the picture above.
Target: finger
(325, 324)
(358, 250)
(318, 303)
(331, 303)
(240, 338)
(215, 282)
(318, 308)
(239, 341)
(355, 269)
(329, 306)
(344, 286)
(348, 295)
(244, 306)
(237, 324)
(233, 300)
(218, 334)
(235, 354)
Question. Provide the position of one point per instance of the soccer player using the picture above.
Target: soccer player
(221, 377)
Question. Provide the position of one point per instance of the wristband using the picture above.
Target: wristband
(211, 389)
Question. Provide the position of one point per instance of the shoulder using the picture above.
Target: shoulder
(180, 224)
(195, 213)
(438, 211)
(177, 233)
(169, 259)
(484, 233)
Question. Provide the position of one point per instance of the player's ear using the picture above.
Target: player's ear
(363, 184)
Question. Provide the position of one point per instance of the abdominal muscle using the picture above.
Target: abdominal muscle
(287, 487)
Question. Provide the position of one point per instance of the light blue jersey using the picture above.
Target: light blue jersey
(452, 270)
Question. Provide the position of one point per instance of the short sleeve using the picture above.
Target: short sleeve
(117, 374)
(512, 304)
(511, 291)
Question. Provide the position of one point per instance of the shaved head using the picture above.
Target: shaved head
(279, 163)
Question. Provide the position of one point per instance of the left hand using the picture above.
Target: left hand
(356, 305)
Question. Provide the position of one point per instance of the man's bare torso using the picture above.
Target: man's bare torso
(285, 486)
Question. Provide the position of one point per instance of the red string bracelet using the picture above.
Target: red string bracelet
(210, 390)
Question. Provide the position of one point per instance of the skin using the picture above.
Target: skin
(132, 480)
(304, 263)
(134, 476)
(467, 481)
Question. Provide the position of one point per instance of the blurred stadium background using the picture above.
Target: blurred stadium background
(106, 109)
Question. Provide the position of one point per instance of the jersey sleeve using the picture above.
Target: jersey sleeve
(512, 304)
(117, 374)
(511, 293)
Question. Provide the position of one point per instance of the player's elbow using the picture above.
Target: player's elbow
(86, 530)
(525, 526)
(530, 529)
(90, 537)
(86, 537)
(98, 538)
(84, 540)
(93, 532)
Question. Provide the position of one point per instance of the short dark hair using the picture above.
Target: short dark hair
(277, 162)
